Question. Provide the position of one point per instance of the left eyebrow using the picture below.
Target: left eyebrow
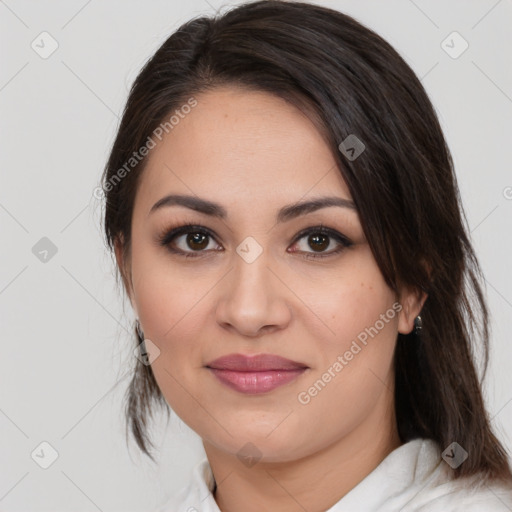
(286, 213)
(295, 210)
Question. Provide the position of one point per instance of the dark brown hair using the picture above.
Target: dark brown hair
(350, 81)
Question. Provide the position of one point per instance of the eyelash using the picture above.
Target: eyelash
(169, 234)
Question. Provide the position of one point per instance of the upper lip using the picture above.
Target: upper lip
(255, 363)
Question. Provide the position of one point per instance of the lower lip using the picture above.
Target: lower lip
(256, 382)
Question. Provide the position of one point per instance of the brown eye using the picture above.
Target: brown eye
(188, 240)
(318, 240)
(197, 241)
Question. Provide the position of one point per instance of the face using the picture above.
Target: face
(302, 285)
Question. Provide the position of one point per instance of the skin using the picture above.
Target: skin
(254, 153)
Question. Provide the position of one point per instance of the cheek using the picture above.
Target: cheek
(355, 371)
(347, 300)
(356, 350)
(168, 300)
(171, 310)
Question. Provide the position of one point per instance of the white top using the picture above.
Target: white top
(413, 477)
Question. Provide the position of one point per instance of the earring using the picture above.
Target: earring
(140, 332)
(418, 325)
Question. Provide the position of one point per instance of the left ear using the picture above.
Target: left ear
(412, 301)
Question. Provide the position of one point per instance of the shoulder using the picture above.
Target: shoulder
(418, 479)
(177, 503)
(462, 495)
(196, 496)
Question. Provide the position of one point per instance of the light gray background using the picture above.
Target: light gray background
(66, 336)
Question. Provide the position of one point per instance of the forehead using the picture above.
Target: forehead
(250, 146)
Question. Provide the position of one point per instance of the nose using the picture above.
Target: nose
(253, 299)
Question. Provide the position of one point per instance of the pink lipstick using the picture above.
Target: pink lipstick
(255, 374)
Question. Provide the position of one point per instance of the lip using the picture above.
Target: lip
(255, 374)
(255, 363)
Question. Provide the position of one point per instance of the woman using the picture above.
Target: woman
(286, 220)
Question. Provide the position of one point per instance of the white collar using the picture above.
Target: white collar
(411, 476)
